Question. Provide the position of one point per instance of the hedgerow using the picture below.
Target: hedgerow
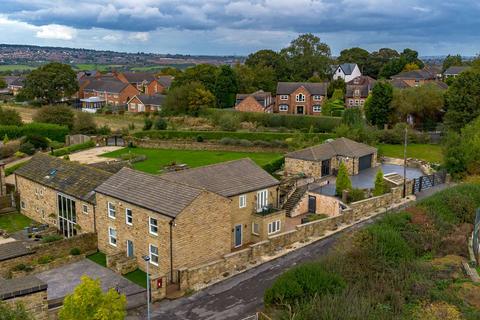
(50, 131)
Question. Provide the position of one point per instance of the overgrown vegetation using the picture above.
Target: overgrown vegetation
(405, 266)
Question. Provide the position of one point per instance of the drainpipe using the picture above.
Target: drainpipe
(94, 218)
(172, 224)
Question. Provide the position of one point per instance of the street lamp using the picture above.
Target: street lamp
(147, 261)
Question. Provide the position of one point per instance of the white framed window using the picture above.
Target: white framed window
(283, 107)
(111, 210)
(153, 253)
(153, 226)
(362, 102)
(112, 236)
(300, 97)
(274, 227)
(129, 216)
(284, 97)
(357, 93)
(43, 213)
(262, 199)
(242, 201)
(317, 108)
(255, 228)
(85, 209)
(317, 97)
(357, 102)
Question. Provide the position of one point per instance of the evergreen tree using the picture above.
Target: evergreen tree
(226, 87)
(379, 188)
(343, 180)
(378, 109)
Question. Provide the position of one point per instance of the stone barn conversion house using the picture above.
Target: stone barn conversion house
(59, 193)
(324, 159)
(300, 97)
(258, 101)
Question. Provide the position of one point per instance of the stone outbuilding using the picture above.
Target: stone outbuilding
(324, 159)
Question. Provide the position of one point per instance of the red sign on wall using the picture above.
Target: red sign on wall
(159, 283)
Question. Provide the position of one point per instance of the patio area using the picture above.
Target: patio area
(366, 178)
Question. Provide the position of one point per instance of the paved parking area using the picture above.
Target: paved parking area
(92, 155)
(63, 280)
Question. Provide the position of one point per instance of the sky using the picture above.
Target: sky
(240, 27)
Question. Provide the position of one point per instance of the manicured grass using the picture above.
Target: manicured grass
(13, 222)
(138, 276)
(427, 152)
(98, 258)
(157, 159)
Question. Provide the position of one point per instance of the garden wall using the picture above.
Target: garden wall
(194, 278)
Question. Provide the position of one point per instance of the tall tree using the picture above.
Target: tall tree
(206, 74)
(189, 98)
(462, 100)
(355, 55)
(269, 59)
(377, 59)
(250, 79)
(89, 302)
(307, 56)
(343, 181)
(50, 83)
(378, 109)
(226, 87)
(336, 84)
(451, 61)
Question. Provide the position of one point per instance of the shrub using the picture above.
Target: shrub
(51, 238)
(380, 186)
(37, 141)
(199, 139)
(343, 180)
(84, 123)
(9, 149)
(160, 124)
(229, 122)
(75, 251)
(131, 126)
(274, 166)
(56, 114)
(302, 283)
(19, 267)
(104, 130)
(73, 148)
(44, 259)
(355, 195)
(147, 124)
(50, 131)
(10, 117)
(27, 148)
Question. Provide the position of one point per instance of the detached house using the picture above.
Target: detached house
(324, 159)
(107, 91)
(258, 101)
(358, 90)
(413, 78)
(346, 71)
(15, 85)
(253, 195)
(145, 103)
(454, 71)
(144, 82)
(59, 193)
(300, 97)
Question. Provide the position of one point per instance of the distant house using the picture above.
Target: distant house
(358, 90)
(300, 97)
(347, 72)
(165, 82)
(258, 101)
(144, 82)
(454, 71)
(414, 78)
(16, 84)
(111, 92)
(145, 103)
(324, 159)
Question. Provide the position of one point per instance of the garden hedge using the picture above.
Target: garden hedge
(218, 135)
(73, 148)
(50, 131)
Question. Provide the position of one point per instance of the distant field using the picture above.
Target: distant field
(99, 67)
(160, 67)
(427, 152)
(157, 159)
(15, 67)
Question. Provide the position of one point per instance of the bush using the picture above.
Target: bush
(84, 123)
(9, 149)
(199, 139)
(147, 124)
(355, 195)
(73, 148)
(274, 166)
(27, 148)
(56, 114)
(51, 238)
(160, 124)
(37, 141)
(10, 117)
(44, 259)
(380, 187)
(50, 131)
(19, 267)
(104, 130)
(229, 122)
(75, 251)
(302, 283)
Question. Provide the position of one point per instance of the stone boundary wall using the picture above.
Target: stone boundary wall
(34, 303)
(238, 261)
(193, 145)
(87, 243)
(424, 166)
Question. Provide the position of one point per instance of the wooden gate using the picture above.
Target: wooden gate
(428, 181)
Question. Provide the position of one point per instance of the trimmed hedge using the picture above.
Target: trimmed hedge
(218, 135)
(275, 120)
(73, 148)
(10, 170)
(50, 131)
(275, 165)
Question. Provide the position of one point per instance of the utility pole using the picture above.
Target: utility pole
(405, 162)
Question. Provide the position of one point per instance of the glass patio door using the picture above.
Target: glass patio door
(67, 216)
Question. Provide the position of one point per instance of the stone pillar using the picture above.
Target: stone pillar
(3, 185)
(158, 287)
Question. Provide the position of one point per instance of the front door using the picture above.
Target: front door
(238, 235)
(325, 168)
(299, 109)
(312, 204)
(129, 249)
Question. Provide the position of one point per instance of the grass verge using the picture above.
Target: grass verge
(12, 222)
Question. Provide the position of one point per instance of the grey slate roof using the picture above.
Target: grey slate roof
(327, 150)
(319, 88)
(137, 77)
(65, 176)
(226, 178)
(455, 70)
(347, 68)
(18, 82)
(165, 81)
(18, 287)
(415, 75)
(258, 95)
(399, 84)
(112, 86)
(149, 191)
(155, 100)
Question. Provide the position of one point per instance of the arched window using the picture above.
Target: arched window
(300, 97)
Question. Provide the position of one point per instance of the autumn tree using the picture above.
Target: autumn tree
(378, 109)
(88, 301)
(50, 83)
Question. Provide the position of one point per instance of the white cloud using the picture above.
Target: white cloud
(55, 31)
(139, 36)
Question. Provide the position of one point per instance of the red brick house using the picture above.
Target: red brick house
(358, 90)
(258, 101)
(300, 97)
(414, 78)
(144, 82)
(113, 92)
(145, 103)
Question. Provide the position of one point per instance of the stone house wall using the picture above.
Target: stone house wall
(263, 221)
(296, 166)
(323, 205)
(39, 203)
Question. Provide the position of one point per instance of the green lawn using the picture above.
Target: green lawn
(98, 258)
(15, 67)
(427, 152)
(157, 159)
(138, 276)
(13, 222)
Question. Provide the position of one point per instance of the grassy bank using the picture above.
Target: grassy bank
(13, 222)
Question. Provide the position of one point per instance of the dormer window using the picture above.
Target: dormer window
(300, 97)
